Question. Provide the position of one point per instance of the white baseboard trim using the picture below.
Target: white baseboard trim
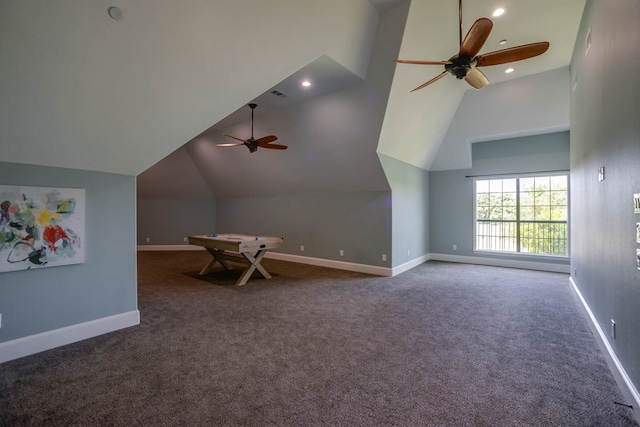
(386, 271)
(32, 344)
(613, 359)
(339, 265)
(498, 262)
(169, 248)
(410, 264)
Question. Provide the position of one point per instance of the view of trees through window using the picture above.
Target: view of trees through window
(522, 215)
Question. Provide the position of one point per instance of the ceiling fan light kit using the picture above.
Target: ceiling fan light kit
(464, 64)
(252, 144)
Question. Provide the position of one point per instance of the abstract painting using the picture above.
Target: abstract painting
(40, 227)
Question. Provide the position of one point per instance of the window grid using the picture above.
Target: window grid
(522, 215)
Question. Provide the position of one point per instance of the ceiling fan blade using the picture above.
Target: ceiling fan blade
(274, 146)
(438, 77)
(266, 139)
(477, 35)
(476, 79)
(234, 137)
(231, 144)
(409, 61)
(512, 54)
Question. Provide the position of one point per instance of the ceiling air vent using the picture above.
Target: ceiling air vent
(280, 94)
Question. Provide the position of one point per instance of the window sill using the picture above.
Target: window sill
(523, 255)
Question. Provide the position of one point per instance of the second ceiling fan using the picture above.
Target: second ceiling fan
(252, 144)
(464, 64)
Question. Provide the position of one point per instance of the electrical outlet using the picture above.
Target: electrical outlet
(184, 239)
(341, 252)
(148, 239)
(455, 247)
(408, 252)
(301, 248)
(384, 257)
(0, 320)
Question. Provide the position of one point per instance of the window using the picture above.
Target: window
(525, 214)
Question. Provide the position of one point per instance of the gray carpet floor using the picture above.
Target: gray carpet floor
(440, 345)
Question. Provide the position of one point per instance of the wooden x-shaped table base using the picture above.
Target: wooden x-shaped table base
(223, 257)
(239, 248)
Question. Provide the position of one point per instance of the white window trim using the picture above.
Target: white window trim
(522, 175)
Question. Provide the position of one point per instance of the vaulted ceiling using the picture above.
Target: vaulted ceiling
(89, 92)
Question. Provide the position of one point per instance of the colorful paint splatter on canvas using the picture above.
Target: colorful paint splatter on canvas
(40, 227)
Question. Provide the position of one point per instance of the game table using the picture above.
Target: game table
(239, 248)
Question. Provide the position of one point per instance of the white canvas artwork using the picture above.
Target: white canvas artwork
(41, 227)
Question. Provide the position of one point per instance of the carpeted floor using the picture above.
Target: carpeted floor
(440, 345)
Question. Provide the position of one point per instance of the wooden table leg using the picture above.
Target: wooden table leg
(223, 258)
(254, 263)
(214, 258)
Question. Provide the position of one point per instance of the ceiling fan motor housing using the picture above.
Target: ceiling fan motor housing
(460, 66)
(252, 144)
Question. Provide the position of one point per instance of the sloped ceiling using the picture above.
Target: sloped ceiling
(81, 90)
(331, 136)
(85, 91)
(530, 105)
(173, 178)
(416, 123)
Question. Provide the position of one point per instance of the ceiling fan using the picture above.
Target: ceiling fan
(464, 64)
(252, 143)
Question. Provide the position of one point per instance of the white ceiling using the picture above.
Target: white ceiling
(415, 124)
(382, 5)
(326, 74)
(524, 22)
(436, 37)
(432, 33)
(88, 92)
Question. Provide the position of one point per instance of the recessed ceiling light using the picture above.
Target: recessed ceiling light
(306, 83)
(509, 70)
(498, 12)
(503, 41)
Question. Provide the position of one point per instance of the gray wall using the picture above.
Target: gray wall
(451, 200)
(174, 201)
(45, 299)
(410, 209)
(605, 131)
(357, 223)
(168, 222)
